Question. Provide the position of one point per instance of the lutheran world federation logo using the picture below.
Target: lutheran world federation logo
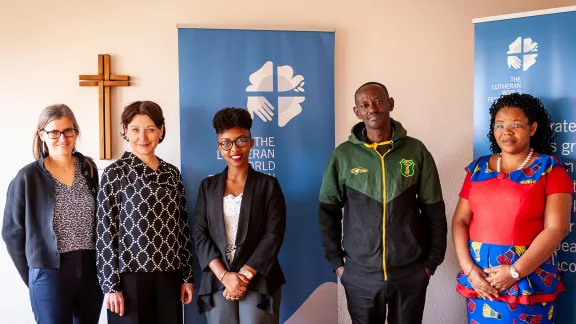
(522, 53)
(280, 86)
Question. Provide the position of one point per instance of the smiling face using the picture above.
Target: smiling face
(235, 144)
(59, 135)
(143, 135)
(513, 131)
(373, 106)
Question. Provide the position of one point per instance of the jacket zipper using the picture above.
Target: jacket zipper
(374, 146)
(384, 216)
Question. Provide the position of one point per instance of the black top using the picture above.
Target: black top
(27, 227)
(142, 222)
(261, 227)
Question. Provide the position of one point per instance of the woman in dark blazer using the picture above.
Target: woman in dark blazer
(240, 220)
(49, 224)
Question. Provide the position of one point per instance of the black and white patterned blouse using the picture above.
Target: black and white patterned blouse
(142, 222)
(74, 214)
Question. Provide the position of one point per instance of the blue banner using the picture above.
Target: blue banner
(285, 79)
(535, 55)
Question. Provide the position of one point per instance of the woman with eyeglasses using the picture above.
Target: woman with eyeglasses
(240, 219)
(49, 224)
(514, 210)
(144, 244)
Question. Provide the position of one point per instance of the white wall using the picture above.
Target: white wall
(423, 51)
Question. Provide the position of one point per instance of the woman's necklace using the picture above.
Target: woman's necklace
(499, 163)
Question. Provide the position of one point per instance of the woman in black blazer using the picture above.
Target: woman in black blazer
(49, 224)
(240, 220)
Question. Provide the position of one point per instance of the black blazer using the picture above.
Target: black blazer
(27, 227)
(261, 228)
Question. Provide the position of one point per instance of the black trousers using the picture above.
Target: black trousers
(150, 298)
(68, 295)
(367, 298)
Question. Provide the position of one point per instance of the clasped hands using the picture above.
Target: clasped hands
(235, 285)
(489, 283)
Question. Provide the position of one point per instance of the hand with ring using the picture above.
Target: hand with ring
(499, 277)
(235, 285)
(501, 289)
(232, 296)
(477, 279)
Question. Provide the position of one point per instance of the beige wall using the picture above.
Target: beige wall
(423, 51)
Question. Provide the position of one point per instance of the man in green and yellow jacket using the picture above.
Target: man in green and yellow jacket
(393, 236)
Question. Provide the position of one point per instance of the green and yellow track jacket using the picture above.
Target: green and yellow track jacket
(394, 215)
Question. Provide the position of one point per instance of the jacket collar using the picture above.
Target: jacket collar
(81, 158)
(135, 162)
(358, 137)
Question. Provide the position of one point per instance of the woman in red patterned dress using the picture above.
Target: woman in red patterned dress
(514, 210)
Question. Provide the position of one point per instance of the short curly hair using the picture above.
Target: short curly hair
(368, 84)
(543, 140)
(231, 117)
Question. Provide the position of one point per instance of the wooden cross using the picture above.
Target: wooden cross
(104, 81)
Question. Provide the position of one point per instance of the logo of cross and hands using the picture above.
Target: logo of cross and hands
(278, 85)
(522, 53)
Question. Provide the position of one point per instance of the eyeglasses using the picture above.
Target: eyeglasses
(241, 142)
(54, 134)
(501, 127)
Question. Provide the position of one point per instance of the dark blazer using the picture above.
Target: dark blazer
(261, 228)
(27, 227)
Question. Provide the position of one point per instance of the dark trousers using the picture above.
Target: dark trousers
(68, 295)
(367, 298)
(150, 298)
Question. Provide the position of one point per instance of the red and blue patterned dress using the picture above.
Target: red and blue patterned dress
(507, 215)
